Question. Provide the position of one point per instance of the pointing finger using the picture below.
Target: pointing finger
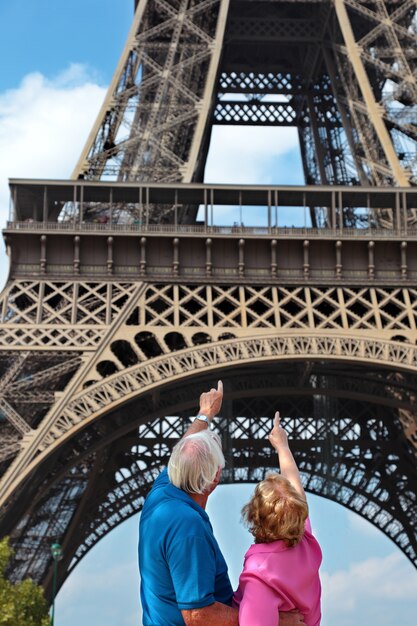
(276, 420)
(220, 387)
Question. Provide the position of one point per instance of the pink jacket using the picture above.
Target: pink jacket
(276, 578)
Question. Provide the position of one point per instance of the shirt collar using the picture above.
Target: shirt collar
(179, 494)
(273, 546)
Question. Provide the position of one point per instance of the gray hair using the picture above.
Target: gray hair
(195, 461)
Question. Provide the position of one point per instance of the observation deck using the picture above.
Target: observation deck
(261, 234)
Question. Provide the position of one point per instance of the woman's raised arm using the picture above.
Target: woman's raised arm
(279, 440)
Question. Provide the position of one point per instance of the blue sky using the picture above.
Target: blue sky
(58, 57)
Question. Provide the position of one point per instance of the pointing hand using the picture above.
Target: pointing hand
(278, 436)
(211, 401)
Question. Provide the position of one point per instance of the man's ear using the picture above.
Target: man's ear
(217, 476)
(215, 482)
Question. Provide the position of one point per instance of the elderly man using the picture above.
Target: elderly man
(184, 579)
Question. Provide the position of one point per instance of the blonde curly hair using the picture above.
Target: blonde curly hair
(276, 511)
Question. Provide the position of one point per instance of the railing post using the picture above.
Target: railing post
(205, 209)
(175, 259)
(147, 207)
(109, 256)
(74, 201)
(404, 203)
(398, 211)
(338, 259)
(14, 211)
(209, 264)
(176, 209)
(111, 206)
(76, 262)
(333, 222)
(81, 204)
(306, 264)
(371, 260)
(42, 260)
(274, 266)
(276, 207)
(45, 205)
(269, 210)
(404, 266)
(241, 265)
(142, 266)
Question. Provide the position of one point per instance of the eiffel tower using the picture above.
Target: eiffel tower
(125, 299)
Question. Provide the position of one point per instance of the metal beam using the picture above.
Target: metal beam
(14, 418)
(375, 110)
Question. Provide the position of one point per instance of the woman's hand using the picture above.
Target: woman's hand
(278, 436)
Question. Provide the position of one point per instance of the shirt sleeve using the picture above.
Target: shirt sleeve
(259, 605)
(307, 525)
(192, 564)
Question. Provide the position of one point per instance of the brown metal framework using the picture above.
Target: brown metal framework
(107, 328)
(342, 71)
(122, 304)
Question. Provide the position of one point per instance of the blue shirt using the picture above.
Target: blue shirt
(180, 562)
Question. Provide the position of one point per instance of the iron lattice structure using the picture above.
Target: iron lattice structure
(342, 71)
(107, 329)
(121, 307)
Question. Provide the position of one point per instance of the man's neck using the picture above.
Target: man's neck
(200, 499)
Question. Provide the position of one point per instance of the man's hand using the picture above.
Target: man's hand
(216, 614)
(291, 618)
(278, 436)
(211, 401)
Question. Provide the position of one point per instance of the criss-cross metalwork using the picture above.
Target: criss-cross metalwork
(92, 367)
(125, 298)
(341, 71)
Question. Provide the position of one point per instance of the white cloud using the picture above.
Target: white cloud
(43, 126)
(45, 122)
(369, 582)
(246, 155)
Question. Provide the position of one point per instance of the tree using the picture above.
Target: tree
(23, 603)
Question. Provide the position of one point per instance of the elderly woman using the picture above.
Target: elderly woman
(280, 571)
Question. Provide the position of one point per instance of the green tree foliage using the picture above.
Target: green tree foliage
(22, 604)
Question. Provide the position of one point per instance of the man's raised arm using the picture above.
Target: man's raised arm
(210, 405)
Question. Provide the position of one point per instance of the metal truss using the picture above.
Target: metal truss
(374, 54)
(90, 466)
(207, 324)
(59, 315)
(342, 72)
(107, 343)
(153, 120)
(345, 437)
(29, 384)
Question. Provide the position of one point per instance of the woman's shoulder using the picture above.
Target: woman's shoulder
(259, 551)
